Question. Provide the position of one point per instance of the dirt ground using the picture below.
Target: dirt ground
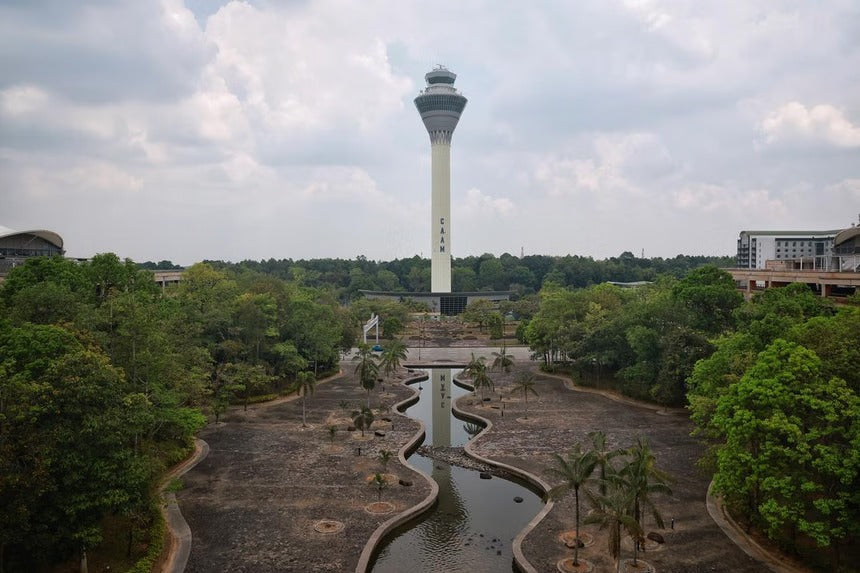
(253, 502)
(557, 419)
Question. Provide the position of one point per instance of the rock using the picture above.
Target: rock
(350, 428)
(575, 543)
(405, 482)
(485, 475)
(518, 499)
(379, 433)
(654, 536)
(486, 399)
(386, 419)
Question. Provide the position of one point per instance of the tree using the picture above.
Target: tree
(614, 511)
(380, 483)
(790, 459)
(305, 384)
(644, 478)
(478, 312)
(710, 293)
(477, 371)
(392, 355)
(502, 361)
(384, 457)
(367, 369)
(525, 383)
(603, 458)
(363, 418)
(575, 475)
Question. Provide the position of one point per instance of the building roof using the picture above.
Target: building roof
(49, 236)
(791, 233)
(846, 234)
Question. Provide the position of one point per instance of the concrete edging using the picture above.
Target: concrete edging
(179, 548)
(386, 527)
(718, 512)
(520, 560)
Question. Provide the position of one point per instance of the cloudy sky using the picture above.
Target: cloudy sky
(286, 129)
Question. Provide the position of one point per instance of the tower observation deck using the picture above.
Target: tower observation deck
(440, 106)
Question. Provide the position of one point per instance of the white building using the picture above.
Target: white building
(806, 249)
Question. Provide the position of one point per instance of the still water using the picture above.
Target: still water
(473, 525)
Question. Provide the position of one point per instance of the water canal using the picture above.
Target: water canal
(472, 526)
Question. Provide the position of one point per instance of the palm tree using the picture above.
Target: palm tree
(363, 418)
(502, 360)
(332, 431)
(603, 456)
(392, 355)
(473, 365)
(644, 478)
(304, 385)
(575, 472)
(379, 482)
(481, 378)
(525, 383)
(614, 512)
(367, 369)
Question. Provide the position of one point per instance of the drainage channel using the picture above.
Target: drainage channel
(472, 526)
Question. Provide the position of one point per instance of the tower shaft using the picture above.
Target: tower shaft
(440, 106)
(440, 217)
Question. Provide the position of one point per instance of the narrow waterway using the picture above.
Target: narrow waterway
(475, 521)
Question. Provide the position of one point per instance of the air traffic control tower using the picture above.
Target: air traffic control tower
(440, 106)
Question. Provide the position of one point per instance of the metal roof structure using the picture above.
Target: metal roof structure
(49, 236)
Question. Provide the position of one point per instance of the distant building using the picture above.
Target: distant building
(806, 249)
(18, 246)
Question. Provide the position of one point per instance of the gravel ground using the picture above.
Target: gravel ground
(253, 502)
(557, 419)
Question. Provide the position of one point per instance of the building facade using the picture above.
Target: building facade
(18, 246)
(805, 249)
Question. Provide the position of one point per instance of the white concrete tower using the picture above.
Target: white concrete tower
(440, 106)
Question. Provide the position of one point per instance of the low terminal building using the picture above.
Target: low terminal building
(18, 246)
(446, 303)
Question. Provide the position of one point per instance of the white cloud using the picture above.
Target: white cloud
(479, 204)
(796, 123)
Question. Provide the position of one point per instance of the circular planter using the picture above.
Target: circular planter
(328, 526)
(640, 567)
(379, 508)
(569, 538)
(567, 566)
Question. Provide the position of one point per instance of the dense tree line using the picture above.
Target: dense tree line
(105, 377)
(475, 273)
(772, 385)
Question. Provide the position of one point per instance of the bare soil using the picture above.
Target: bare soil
(252, 504)
(557, 419)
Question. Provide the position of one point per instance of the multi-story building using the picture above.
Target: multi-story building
(804, 249)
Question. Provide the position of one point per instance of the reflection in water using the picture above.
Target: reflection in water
(475, 520)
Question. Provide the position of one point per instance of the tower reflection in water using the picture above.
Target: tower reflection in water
(472, 526)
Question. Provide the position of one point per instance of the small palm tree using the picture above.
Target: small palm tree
(474, 365)
(644, 478)
(603, 456)
(363, 418)
(304, 385)
(380, 483)
(367, 369)
(525, 383)
(481, 378)
(614, 512)
(575, 472)
(502, 360)
(393, 354)
(384, 457)
(332, 431)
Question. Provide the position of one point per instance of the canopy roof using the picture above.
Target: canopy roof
(49, 236)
